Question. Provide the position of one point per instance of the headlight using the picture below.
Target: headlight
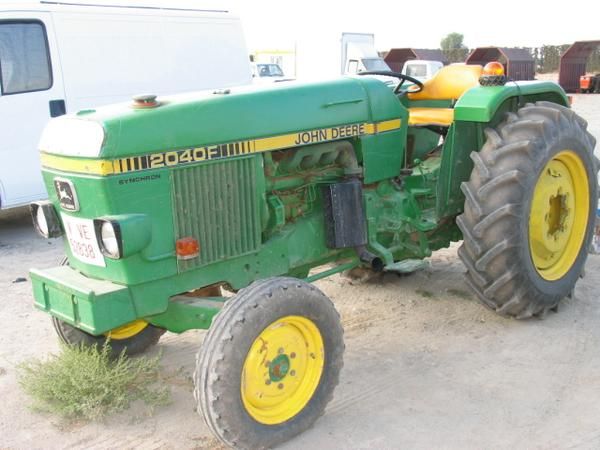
(40, 221)
(109, 238)
(45, 219)
(123, 235)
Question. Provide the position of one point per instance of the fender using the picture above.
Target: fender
(480, 104)
(477, 109)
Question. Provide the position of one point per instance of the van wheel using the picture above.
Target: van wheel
(269, 363)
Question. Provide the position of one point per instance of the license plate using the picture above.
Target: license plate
(82, 240)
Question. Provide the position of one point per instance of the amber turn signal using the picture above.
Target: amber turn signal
(493, 68)
(187, 248)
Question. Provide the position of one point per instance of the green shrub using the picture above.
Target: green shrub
(86, 383)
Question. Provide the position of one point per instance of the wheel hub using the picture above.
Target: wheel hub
(279, 367)
(557, 215)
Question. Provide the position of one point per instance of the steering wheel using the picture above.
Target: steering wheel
(401, 77)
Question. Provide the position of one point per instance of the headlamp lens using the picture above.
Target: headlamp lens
(41, 222)
(110, 242)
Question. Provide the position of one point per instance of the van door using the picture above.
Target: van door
(31, 91)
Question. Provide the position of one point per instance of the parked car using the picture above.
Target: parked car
(268, 73)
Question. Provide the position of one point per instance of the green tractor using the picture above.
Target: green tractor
(166, 202)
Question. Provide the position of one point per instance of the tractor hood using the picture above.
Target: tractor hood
(220, 117)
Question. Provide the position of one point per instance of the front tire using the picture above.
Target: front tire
(530, 210)
(269, 363)
(132, 338)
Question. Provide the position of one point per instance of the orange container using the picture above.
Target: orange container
(585, 82)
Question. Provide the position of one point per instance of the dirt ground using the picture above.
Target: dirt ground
(426, 366)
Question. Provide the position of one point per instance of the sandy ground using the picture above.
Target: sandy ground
(425, 367)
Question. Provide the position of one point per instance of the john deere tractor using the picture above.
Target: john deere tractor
(166, 202)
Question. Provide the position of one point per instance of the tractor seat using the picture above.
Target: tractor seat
(449, 83)
(442, 117)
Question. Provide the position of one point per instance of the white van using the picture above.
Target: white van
(327, 55)
(58, 57)
(359, 54)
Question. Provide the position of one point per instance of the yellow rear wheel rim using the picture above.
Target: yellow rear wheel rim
(559, 215)
(282, 370)
(128, 330)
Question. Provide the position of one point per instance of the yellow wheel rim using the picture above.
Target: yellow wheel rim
(128, 330)
(559, 215)
(282, 370)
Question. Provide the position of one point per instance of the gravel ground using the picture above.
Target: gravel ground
(426, 366)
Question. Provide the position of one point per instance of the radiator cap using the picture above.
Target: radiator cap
(144, 101)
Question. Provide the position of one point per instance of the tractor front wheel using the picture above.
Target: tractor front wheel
(530, 210)
(269, 363)
(135, 337)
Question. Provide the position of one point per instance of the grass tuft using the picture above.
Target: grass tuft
(460, 294)
(425, 293)
(86, 383)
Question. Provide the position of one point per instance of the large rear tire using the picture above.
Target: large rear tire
(269, 364)
(530, 210)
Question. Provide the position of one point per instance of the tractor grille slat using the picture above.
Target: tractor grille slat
(216, 203)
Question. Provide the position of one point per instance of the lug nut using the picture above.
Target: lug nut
(268, 382)
(280, 351)
(292, 355)
(292, 372)
(280, 385)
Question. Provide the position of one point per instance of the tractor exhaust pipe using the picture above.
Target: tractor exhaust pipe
(369, 258)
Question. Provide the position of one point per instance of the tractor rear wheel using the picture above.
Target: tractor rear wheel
(135, 337)
(269, 363)
(530, 210)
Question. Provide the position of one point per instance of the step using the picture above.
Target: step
(407, 266)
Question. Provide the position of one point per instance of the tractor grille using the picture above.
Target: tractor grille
(216, 203)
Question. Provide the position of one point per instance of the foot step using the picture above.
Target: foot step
(407, 266)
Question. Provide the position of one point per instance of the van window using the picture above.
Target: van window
(375, 64)
(24, 59)
(416, 70)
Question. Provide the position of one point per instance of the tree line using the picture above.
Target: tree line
(547, 58)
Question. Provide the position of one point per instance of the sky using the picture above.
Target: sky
(270, 24)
